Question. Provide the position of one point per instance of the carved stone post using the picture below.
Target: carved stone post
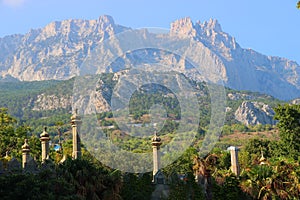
(76, 122)
(25, 154)
(156, 142)
(45, 144)
(234, 160)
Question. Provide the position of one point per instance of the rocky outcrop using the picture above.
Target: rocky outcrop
(51, 102)
(45, 102)
(296, 101)
(253, 113)
(238, 96)
(58, 50)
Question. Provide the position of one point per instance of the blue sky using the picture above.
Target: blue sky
(271, 27)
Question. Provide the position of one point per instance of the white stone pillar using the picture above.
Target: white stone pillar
(76, 122)
(25, 154)
(45, 144)
(234, 160)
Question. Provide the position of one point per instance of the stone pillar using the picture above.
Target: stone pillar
(45, 144)
(234, 160)
(25, 154)
(156, 142)
(76, 122)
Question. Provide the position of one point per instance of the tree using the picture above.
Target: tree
(298, 5)
(73, 179)
(136, 186)
(202, 169)
(11, 138)
(279, 180)
(289, 127)
(90, 181)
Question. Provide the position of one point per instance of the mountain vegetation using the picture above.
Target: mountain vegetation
(87, 178)
(44, 99)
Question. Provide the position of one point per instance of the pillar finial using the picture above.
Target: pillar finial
(25, 153)
(262, 160)
(45, 144)
(156, 142)
(25, 146)
(156, 139)
(44, 133)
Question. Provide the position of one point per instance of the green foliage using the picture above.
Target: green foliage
(223, 161)
(183, 164)
(239, 128)
(149, 95)
(279, 180)
(228, 188)
(289, 127)
(298, 5)
(256, 146)
(137, 186)
(35, 186)
(74, 179)
(185, 189)
(11, 136)
(18, 96)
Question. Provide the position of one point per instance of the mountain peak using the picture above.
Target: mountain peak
(183, 27)
(106, 20)
(106, 25)
(212, 24)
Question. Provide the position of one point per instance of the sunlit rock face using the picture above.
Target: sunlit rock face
(58, 50)
(253, 113)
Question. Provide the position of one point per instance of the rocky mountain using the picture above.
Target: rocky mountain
(252, 113)
(51, 102)
(58, 50)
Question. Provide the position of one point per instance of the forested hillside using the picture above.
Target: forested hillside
(37, 100)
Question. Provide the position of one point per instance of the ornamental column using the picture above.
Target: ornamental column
(234, 160)
(45, 144)
(76, 122)
(25, 154)
(156, 142)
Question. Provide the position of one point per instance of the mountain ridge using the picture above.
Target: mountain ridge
(57, 51)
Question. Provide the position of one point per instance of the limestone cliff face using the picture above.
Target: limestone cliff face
(44, 102)
(58, 50)
(55, 51)
(51, 102)
(245, 69)
(253, 113)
